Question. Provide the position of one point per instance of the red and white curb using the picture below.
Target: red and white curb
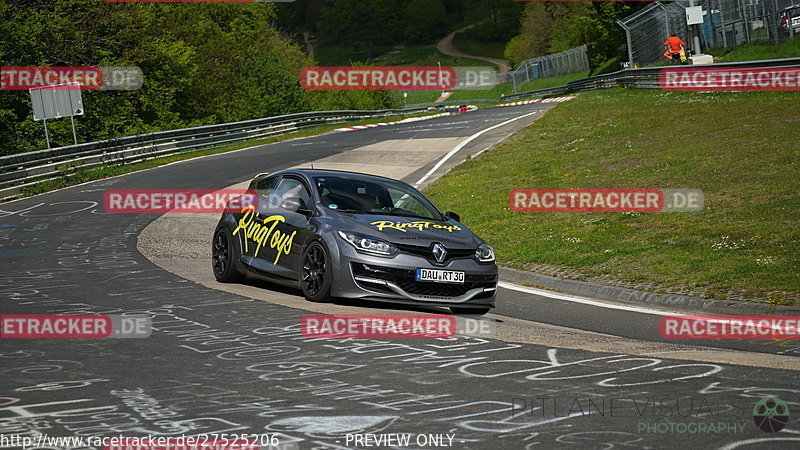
(410, 119)
(538, 100)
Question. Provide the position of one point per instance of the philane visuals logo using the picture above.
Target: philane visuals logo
(74, 326)
(729, 327)
(771, 414)
(88, 78)
(734, 79)
(605, 200)
(177, 200)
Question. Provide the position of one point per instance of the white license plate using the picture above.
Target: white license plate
(440, 276)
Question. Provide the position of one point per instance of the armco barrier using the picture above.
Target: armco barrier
(25, 169)
(451, 103)
(646, 78)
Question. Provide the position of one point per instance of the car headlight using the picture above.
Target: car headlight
(484, 253)
(369, 244)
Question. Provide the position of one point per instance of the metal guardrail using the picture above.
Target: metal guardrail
(535, 93)
(452, 102)
(25, 169)
(646, 78)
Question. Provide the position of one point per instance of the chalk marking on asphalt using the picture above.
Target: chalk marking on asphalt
(465, 142)
(587, 301)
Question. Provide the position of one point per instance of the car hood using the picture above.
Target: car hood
(409, 230)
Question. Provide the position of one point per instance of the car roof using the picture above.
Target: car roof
(311, 173)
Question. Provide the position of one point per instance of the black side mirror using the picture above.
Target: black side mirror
(453, 216)
(295, 204)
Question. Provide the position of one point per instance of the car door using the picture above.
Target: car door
(249, 224)
(275, 233)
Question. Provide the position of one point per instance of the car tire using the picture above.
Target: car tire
(224, 257)
(470, 311)
(315, 272)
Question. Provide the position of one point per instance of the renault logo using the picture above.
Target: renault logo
(439, 252)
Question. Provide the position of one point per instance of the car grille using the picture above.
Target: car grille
(427, 253)
(405, 280)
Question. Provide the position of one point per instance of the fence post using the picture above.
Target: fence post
(527, 72)
(710, 9)
(745, 19)
(722, 22)
(628, 38)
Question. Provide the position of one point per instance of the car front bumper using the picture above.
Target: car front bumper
(362, 276)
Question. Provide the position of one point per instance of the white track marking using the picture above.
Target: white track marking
(656, 312)
(586, 301)
(465, 142)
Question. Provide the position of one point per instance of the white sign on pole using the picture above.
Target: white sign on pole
(694, 15)
(53, 102)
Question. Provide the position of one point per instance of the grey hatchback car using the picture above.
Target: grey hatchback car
(348, 235)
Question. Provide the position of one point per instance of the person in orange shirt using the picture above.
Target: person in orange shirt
(674, 46)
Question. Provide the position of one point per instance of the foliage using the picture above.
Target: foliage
(789, 48)
(550, 27)
(745, 239)
(203, 63)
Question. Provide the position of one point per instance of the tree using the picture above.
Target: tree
(556, 26)
(534, 37)
(424, 19)
(202, 64)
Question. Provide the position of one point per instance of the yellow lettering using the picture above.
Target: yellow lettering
(244, 222)
(419, 225)
(264, 232)
(381, 224)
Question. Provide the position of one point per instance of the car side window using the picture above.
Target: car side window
(265, 187)
(288, 188)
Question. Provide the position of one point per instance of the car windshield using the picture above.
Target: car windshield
(372, 196)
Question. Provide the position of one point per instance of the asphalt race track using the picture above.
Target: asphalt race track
(222, 363)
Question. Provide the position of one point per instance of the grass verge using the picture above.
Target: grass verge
(754, 51)
(85, 174)
(758, 51)
(473, 47)
(739, 148)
